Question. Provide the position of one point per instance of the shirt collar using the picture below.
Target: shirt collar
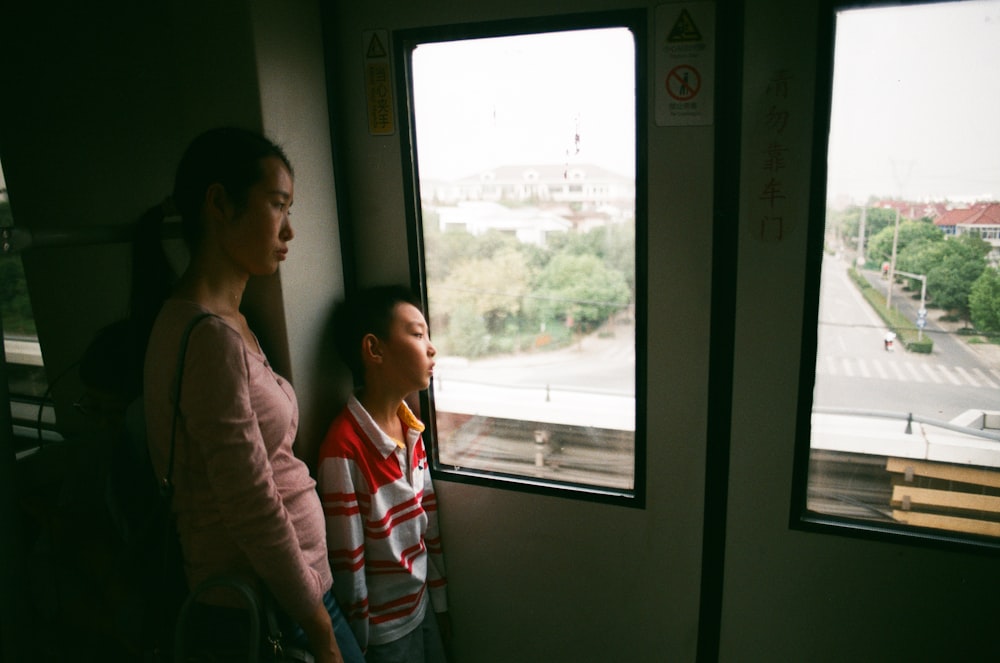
(386, 445)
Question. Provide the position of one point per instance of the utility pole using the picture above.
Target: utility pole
(900, 181)
(861, 237)
(892, 263)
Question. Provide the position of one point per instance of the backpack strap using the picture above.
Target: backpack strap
(167, 486)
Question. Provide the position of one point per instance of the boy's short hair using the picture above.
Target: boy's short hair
(367, 311)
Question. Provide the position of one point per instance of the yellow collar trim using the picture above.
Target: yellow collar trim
(409, 420)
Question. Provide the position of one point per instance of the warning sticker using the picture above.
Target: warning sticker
(685, 63)
(684, 29)
(378, 84)
(375, 48)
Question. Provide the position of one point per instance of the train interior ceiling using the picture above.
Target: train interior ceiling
(660, 253)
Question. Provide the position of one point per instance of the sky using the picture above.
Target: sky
(518, 100)
(916, 110)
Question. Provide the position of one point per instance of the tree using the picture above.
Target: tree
(951, 268)
(444, 250)
(481, 299)
(614, 244)
(912, 234)
(984, 301)
(876, 219)
(580, 290)
(14, 302)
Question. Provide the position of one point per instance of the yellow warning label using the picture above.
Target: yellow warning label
(684, 29)
(378, 84)
(381, 119)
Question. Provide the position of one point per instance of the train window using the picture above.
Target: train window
(526, 216)
(900, 436)
(23, 371)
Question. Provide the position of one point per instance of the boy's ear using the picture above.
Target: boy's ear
(371, 348)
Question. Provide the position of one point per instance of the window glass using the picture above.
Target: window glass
(23, 367)
(905, 420)
(526, 154)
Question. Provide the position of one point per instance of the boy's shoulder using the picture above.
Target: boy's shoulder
(344, 437)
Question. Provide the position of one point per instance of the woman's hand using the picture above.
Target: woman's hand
(319, 630)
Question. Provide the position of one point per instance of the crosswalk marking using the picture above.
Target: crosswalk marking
(880, 370)
(932, 374)
(906, 371)
(914, 373)
(966, 376)
(951, 378)
(985, 378)
(898, 371)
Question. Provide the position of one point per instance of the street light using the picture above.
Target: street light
(922, 312)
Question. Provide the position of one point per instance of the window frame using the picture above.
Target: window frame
(800, 517)
(403, 43)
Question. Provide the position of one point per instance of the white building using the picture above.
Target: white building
(529, 225)
(583, 184)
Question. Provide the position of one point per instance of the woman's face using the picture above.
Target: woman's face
(257, 235)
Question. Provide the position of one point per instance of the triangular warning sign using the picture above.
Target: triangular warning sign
(684, 29)
(375, 48)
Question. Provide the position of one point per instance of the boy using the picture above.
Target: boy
(375, 484)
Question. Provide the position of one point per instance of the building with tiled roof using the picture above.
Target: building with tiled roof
(984, 222)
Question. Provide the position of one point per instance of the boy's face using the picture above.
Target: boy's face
(408, 354)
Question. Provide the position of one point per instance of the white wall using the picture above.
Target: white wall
(97, 108)
(791, 595)
(551, 579)
(288, 44)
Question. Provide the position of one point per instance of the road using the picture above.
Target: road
(591, 383)
(589, 387)
(566, 415)
(853, 370)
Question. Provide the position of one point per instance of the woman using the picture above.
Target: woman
(245, 505)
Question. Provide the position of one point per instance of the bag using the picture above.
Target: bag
(265, 647)
(159, 546)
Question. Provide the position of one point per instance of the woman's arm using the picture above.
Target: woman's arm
(224, 433)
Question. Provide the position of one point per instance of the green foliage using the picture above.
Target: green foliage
(581, 290)
(984, 301)
(466, 335)
(15, 306)
(925, 346)
(952, 271)
(614, 245)
(492, 293)
(491, 287)
(6, 218)
(906, 332)
(912, 236)
(859, 279)
(876, 219)
(443, 250)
